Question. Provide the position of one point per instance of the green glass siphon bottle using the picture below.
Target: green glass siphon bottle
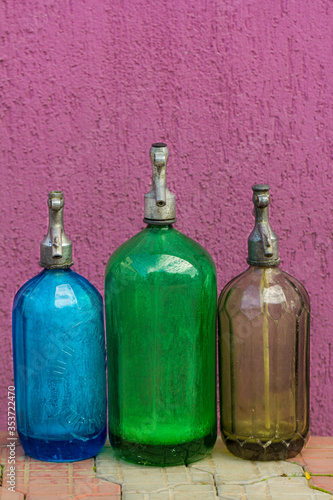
(264, 321)
(160, 308)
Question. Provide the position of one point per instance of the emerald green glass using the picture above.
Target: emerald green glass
(160, 304)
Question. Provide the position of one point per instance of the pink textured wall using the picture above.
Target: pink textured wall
(240, 90)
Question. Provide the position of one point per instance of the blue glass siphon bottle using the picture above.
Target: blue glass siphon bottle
(59, 354)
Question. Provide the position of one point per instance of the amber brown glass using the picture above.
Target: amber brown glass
(264, 317)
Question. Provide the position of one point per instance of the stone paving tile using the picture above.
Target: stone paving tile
(290, 487)
(317, 458)
(139, 496)
(93, 486)
(36, 480)
(171, 495)
(219, 476)
(228, 469)
(194, 496)
(319, 465)
(272, 489)
(231, 492)
(44, 496)
(143, 483)
(93, 497)
(320, 442)
(324, 482)
(9, 495)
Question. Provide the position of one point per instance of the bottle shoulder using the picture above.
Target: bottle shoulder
(59, 288)
(28, 288)
(250, 291)
(160, 249)
(234, 283)
(299, 288)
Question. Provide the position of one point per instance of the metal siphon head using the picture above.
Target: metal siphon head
(56, 248)
(160, 203)
(263, 243)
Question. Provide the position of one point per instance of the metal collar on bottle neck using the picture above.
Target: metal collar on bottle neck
(263, 243)
(160, 203)
(56, 248)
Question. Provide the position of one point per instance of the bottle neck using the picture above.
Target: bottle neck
(56, 218)
(271, 266)
(261, 214)
(58, 270)
(163, 227)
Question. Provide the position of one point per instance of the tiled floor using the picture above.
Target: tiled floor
(317, 460)
(36, 480)
(219, 476)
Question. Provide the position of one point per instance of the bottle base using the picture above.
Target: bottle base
(71, 450)
(162, 455)
(279, 450)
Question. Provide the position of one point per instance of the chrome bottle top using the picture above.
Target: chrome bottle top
(160, 203)
(263, 243)
(56, 248)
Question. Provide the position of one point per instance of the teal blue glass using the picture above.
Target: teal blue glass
(160, 305)
(59, 366)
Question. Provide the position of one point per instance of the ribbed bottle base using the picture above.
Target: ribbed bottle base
(163, 455)
(277, 450)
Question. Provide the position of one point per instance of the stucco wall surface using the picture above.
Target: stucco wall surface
(241, 91)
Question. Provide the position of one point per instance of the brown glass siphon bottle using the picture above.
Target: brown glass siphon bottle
(264, 320)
